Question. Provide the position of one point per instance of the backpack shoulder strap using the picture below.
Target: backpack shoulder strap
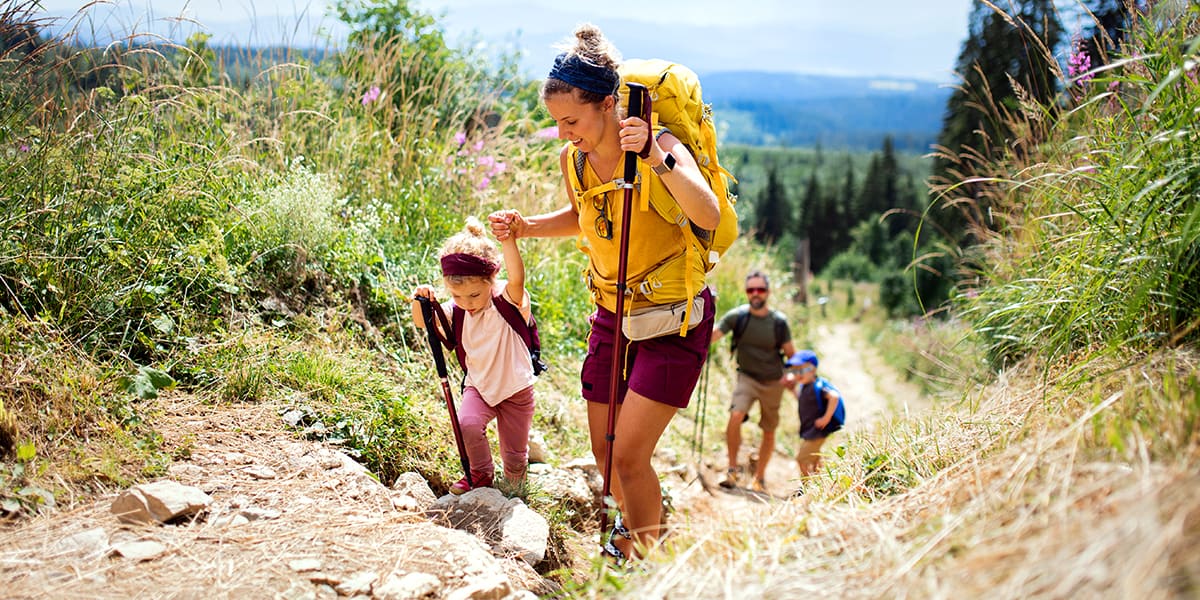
(512, 315)
(739, 327)
(456, 320)
(780, 329)
(579, 162)
(527, 330)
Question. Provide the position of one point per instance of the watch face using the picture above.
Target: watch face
(668, 164)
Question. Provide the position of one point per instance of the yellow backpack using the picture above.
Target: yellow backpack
(677, 105)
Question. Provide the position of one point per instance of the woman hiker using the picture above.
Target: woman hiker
(658, 373)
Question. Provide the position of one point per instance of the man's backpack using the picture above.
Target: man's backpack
(512, 315)
(676, 105)
(743, 321)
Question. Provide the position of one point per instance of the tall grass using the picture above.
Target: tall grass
(156, 207)
(1101, 248)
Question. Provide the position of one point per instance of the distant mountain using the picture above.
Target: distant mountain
(790, 109)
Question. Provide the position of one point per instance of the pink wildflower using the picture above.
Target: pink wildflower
(548, 133)
(1079, 64)
(371, 95)
(23, 148)
(460, 138)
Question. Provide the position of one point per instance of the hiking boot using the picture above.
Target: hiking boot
(731, 478)
(759, 485)
(461, 486)
(619, 529)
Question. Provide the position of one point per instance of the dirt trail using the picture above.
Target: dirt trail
(872, 390)
(324, 507)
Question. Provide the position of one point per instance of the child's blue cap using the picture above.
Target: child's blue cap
(801, 357)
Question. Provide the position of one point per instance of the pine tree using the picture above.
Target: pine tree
(1107, 31)
(1000, 49)
(772, 211)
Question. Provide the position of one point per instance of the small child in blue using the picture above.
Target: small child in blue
(822, 411)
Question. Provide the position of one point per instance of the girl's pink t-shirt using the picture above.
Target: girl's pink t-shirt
(497, 358)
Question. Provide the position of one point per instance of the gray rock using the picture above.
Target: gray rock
(90, 543)
(159, 502)
(411, 484)
(139, 550)
(357, 584)
(411, 586)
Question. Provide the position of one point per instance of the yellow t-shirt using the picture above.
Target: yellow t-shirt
(652, 240)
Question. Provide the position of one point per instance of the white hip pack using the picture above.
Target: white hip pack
(659, 320)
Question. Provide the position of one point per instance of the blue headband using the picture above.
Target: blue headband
(575, 70)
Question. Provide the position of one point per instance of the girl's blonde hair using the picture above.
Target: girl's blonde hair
(471, 240)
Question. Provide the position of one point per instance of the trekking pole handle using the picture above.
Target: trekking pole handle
(435, 345)
(637, 92)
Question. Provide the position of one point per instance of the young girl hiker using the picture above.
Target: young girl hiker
(499, 379)
(658, 373)
(818, 402)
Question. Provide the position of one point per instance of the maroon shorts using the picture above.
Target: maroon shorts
(664, 369)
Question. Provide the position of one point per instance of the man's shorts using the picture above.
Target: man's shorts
(769, 396)
(664, 369)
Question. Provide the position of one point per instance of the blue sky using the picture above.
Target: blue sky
(881, 38)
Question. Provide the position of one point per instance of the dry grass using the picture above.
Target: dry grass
(1033, 505)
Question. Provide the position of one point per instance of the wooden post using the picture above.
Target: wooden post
(800, 265)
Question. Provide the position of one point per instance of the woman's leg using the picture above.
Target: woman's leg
(638, 429)
(597, 414)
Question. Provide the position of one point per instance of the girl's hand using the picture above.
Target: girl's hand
(423, 291)
(507, 224)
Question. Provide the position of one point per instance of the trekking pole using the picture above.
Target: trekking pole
(435, 347)
(636, 93)
(698, 440)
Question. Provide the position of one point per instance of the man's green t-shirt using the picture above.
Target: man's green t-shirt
(757, 352)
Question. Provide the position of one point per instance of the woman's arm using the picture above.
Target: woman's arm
(685, 182)
(560, 223)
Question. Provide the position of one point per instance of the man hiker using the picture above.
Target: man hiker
(761, 338)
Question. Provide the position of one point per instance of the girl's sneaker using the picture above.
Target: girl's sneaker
(461, 486)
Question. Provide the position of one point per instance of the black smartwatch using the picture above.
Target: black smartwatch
(666, 166)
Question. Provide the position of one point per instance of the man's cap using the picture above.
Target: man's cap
(801, 357)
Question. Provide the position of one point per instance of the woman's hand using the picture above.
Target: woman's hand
(507, 224)
(635, 137)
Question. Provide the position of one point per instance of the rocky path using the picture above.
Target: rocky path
(288, 518)
(297, 519)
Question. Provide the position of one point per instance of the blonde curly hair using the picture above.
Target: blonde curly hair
(471, 240)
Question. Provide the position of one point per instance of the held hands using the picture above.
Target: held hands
(507, 224)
